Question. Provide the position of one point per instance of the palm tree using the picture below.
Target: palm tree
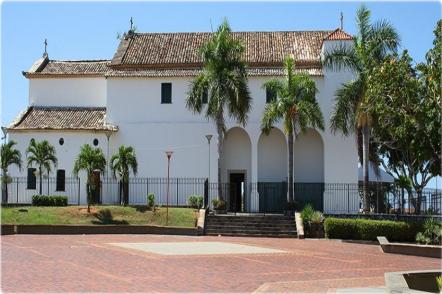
(296, 106)
(351, 112)
(90, 160)
(9, 156)
(43, 155)
(120, 165)
(224, 81)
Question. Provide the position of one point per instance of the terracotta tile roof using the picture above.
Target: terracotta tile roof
(177, 54)
(182, 49)
(253, 71)
(62, 118)
(69, 67)
(338, 34)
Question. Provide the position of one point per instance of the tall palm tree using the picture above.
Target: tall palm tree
(90, 160)
(295, 105)
(351, 112)
(224, 80)
(120, 164)
(42, 154)
(9, 156)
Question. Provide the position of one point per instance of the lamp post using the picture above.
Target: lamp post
(169, 155)
(208, 137)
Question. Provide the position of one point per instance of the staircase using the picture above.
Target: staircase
(250, 225)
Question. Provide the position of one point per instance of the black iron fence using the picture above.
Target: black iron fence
(19, 190)
(262, 197)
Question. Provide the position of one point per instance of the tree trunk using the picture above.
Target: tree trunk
(365, 163)
(89, 191)
(6, 192)
(220, 131)
(41, 180)
(418, 201)
(290, 176)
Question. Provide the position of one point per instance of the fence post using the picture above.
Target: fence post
(206, 193)
(177, 180)
(17, 190)
(348, 198)
(78, 178)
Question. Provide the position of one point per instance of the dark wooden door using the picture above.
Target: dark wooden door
(236, 191)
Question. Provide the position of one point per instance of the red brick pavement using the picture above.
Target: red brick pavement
(87, 263)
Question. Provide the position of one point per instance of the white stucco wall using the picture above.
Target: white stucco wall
(90, 92)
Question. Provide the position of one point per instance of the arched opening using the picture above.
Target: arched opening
(272, 171)
(272, 157)
(236, 168)
(309, 169)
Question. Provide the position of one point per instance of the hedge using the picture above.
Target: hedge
(43, 200)
(364, 229)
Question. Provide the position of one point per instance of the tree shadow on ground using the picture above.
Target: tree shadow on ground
(105, 217)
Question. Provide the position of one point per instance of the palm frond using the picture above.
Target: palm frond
(271, 115)
(343, 114)
(383, 39)
(341, 56)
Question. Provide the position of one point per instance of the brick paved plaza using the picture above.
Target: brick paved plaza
(90, 263)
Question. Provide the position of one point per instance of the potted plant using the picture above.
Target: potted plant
(316, 225)
(219, 206)
(290, 208)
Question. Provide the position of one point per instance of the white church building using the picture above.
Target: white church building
(137, 99)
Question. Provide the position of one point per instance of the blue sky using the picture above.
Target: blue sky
(88, 30)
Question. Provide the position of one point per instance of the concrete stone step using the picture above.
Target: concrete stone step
(249, 234)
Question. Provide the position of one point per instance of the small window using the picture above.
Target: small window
(61, 141)
(32, 179)
(61, 179)
(270, 95)
(95, 142)
(205, 97)
(166, 93)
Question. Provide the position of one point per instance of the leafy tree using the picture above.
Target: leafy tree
(9, 156)
(351, 112)
(120, 164)
(42, 154)
(296, 106)
(407, 118)
(90, 160)
(224, 81)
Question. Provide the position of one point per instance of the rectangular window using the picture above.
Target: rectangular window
(270, 95)
(32, 179)
(205, 97)
(166, 93)
(61, 179)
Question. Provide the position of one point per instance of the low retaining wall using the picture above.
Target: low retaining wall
(382, 216)
(95, 229)
(410, 249)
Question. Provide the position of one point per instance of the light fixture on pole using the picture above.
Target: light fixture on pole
(208, 137)
(169, 155)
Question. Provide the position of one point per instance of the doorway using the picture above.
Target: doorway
(237, 191)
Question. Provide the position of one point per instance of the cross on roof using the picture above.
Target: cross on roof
(342, 21)
(131, 23)
(46, 46)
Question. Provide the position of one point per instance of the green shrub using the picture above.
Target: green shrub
(151, 200)
(317, 218)
(219, 204)
(43, 200)
(439, 282)
(431, 234)
(195, 201)
(365, 229)
(306, 214)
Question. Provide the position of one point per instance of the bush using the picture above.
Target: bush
(195, 201)
(364, 229)
(43, 200)
(219, 204)
(431, 234)
(306, 214)
(151, 200)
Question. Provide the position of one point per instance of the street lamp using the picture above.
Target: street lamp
(169, 155)
(208, 137)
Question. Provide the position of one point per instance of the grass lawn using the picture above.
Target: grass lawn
(100, 215)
